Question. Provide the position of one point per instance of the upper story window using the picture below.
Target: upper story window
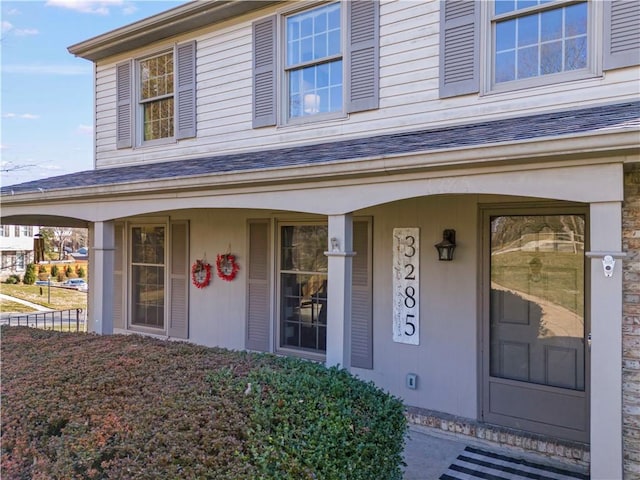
(317, 63)
(314, 61)
(156, 97)
(528, 43)
(5, 231)
(27, 231)
(16, 231)
(535, 38)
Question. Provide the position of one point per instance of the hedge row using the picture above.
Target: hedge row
(112, 407)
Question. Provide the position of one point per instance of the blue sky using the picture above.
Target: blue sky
(47, 93)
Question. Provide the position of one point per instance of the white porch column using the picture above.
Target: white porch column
(606, 346)
(339, 290)
(101, 265)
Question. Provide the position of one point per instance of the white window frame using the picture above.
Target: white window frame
(129, 264)
(282, 83)
(487, 38)
(139, 103)
(279, 348)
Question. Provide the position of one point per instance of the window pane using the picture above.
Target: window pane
(528, 30)
(147, 296)
(156, 114)
(506, 66)
(528, 62)
(576, 20)
(551, 61)
(505, 35)
(551, 25)
(504, 6)
(576, 53)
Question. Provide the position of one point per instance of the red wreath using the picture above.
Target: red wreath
(226, 266)
(197, 270)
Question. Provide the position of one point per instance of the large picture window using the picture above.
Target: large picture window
(303, 287)
(148, 276)
(538, 38)
(314, 61)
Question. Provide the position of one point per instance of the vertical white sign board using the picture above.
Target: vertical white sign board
(406, 285)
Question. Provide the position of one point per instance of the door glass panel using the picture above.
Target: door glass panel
(303, 287)
(537, 299)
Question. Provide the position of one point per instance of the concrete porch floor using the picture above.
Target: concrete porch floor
(429, 452)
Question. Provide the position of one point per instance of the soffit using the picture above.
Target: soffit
(176, 21)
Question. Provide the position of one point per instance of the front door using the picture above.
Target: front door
(535, 367)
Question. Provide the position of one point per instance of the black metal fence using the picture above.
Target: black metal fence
(73, 320)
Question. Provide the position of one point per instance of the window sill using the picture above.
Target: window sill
(303, 354)
(550, 81)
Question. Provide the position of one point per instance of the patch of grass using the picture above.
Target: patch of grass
(61, 298)
(83, 406)
(9, 306)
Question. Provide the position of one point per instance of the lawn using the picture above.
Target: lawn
(61, 298)
(78, 406)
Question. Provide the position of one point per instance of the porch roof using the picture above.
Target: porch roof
(601, 119)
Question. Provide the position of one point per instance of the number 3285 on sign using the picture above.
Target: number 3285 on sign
(406, 285)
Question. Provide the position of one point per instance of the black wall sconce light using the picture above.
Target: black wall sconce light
(447, 245)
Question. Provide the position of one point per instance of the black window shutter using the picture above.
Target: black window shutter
(621, 34)
(363, 55)
(459, 47)
(124, 105)
(264, 72)
(186, 90)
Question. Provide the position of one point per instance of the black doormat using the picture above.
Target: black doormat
(474, 463)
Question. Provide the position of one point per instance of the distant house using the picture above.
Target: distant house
(16, 249)
(274, 176)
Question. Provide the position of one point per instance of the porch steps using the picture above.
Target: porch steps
(564, 452)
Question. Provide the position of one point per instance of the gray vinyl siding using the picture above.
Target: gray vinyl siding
(361, 302)
(264, 72)
(459, 47)
(186, 90)
(621, 34)
(258, 288)
(179, 281)
(409, 94)
(118, 277)
(124, 107)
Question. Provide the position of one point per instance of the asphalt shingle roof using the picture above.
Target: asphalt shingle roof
(571, 122)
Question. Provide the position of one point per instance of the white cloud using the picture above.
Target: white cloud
(7, 27)
(94, 7)
(26, 116)
(84, 130)
(48, 69)
(13, 11)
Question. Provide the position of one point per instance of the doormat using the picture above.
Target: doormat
(474, 463)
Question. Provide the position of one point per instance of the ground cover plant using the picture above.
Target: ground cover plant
(112, 407)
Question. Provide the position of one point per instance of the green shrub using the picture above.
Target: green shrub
(54, 270)
(42, 268)
(80, 272)
(12, 279)
(175, 410)
(29, 274)
(312, 422)
(68, 271)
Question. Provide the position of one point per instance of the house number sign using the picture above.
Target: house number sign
(406, 285)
